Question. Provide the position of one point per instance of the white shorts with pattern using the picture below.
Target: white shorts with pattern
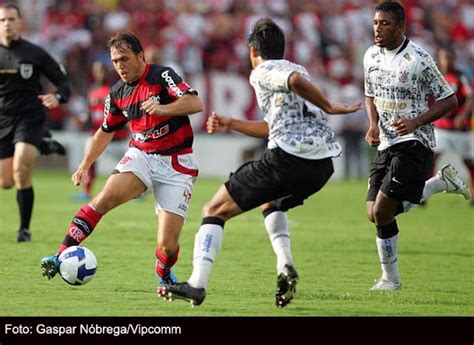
(171, 178)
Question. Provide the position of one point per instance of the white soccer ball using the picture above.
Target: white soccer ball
(77, 265)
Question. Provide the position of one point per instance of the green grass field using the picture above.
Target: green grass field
(333, 247)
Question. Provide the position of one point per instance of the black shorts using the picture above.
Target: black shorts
(19, 129)
(278, 176)
(400, 172)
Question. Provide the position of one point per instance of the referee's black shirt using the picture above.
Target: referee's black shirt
(21, 66)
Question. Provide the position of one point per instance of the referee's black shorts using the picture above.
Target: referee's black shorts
(27, 128)
(400, 172)
(278, 176)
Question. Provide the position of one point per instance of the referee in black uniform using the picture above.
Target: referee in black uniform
(22, 104)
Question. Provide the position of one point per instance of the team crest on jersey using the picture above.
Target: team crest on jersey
(407, 56)
(26, 70)
(403, 76)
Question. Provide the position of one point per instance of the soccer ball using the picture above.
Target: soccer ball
(77, 265)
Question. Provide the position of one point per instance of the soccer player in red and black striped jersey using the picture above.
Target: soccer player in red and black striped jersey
(453, 131)
(155, 102)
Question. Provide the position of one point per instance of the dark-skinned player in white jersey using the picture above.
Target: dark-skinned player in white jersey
(399, 79)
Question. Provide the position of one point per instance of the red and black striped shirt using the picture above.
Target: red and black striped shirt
(164, 135)
(461, 87)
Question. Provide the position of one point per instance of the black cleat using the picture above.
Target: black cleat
(24, 235)
(49, 146)
(182, 291)
(286, 286)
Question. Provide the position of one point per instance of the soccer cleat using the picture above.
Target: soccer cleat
(182, 291)
(454, 182)
(24, 235)
(170, 279)
(286, 286)
(49, 146)
(385, 285)
(50, 266)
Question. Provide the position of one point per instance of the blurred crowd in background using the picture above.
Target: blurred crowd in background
(329, 37)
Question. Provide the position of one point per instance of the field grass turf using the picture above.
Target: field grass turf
(333, 249)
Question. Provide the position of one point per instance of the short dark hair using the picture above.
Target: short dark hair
(394, 8)
(268, 39)
(11, 6)
(125, 38)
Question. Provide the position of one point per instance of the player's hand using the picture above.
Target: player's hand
(347, 108)
(404, 126)
(218, 124)
(152, 107)
(49, 100)
(79, 176)
(372, 136)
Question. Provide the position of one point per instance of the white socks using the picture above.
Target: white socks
(276, 225)
(387, 249)
(207, 244)
(432, 186)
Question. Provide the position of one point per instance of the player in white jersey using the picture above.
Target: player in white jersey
(296, 164)
(399, 78)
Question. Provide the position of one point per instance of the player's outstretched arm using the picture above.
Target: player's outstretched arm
(304, 88)
(98, 144)
(220, 124)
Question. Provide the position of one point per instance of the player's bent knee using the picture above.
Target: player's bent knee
(380, 215)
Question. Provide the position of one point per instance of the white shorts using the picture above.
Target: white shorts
(458, 142)
(170, 177)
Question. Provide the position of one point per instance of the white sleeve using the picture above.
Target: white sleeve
(368, 83)
(433, 79)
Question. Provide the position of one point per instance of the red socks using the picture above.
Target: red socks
(81, 226)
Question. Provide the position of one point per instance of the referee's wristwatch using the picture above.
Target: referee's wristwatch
(58, 96)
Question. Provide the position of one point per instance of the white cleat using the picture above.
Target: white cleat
(454, 182)
(385, 285)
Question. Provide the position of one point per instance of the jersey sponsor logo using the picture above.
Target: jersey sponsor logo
(171, 84)
(387, 105)
(151, 135)
(26, 70)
